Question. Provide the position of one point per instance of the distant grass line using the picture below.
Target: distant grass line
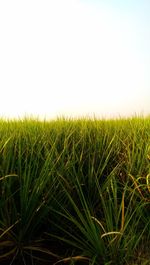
(75, 191)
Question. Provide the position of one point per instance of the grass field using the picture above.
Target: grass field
(75, 191)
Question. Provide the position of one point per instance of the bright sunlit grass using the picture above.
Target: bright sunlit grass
(75, 191)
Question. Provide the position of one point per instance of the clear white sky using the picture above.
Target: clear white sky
(74, 57)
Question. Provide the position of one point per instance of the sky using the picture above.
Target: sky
(74, 58)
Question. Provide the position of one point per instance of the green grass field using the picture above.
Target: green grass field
(75, 191)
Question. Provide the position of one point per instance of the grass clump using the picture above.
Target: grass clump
(75, 191)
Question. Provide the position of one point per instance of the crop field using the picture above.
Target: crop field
(75, 192)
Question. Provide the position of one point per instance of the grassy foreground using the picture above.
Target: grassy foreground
(75, 192)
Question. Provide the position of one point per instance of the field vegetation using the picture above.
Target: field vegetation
(75, 192)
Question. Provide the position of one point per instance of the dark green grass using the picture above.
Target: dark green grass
(75, 191)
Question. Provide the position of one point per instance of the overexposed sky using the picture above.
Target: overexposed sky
(74, 58)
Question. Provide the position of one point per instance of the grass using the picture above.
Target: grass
(75, 191)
